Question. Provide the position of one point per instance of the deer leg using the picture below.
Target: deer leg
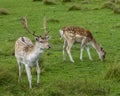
(81, 53)
(88, 51)
(82, 48)
(64, 49)
(38, 72)
(28, 71)
(83, 42)
(20, 71)
(69, 50)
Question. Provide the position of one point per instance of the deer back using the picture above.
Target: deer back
(23, 44)
(77, 33)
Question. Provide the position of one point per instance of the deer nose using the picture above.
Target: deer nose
(49, 46)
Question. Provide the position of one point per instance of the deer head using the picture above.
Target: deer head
(102, 54)
(40, 40)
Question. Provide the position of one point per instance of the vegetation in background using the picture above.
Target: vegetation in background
(112, 4)
(74, 7)
(113, 72)
(52, 20)
(66, 0)
(4, 11)
(49, 2)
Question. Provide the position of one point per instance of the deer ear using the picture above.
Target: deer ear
(101, 48)
(47, 37)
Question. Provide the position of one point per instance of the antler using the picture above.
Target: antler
(44, 26)
(24, 22)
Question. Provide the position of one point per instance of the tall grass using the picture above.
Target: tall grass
(76, 88)
(113, 72)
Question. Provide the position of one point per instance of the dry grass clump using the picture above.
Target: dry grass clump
(108, 5)
(49, 2)
(113, 72)
(85, 1)
(117, 1)
(4, 11)
(77, 8)
(37, 0)
(116, 9)
(116, 26)
(112, 4)
(112, 1)
(77, 88)
(74, 7)
(5, 77)
(66, 0)
(53, 20)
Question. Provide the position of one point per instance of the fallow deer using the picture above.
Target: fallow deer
(72, 34)
(28, 53)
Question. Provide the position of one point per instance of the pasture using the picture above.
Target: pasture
(58, 78)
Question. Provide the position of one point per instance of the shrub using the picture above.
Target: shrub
(4, 11)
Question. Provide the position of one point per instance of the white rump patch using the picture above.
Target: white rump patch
(61, 34)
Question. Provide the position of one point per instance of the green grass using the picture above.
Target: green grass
(58, 78)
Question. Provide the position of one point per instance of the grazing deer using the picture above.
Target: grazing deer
(72, 34)
(28, 53)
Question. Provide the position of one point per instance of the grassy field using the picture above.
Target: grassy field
(58, 78)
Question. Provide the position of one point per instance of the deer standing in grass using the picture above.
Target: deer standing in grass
(28, 53)
(72, 34)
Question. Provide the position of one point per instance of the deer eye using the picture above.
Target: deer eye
(41, 41)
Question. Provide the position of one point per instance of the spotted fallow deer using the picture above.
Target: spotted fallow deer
(72, 34)
(28, 53)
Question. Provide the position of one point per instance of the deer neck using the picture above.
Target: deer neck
(37, 48)
(35, 51)
(96, 45)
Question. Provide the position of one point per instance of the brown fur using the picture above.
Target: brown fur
(78, 31)
(72, 34)
(24, 44)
